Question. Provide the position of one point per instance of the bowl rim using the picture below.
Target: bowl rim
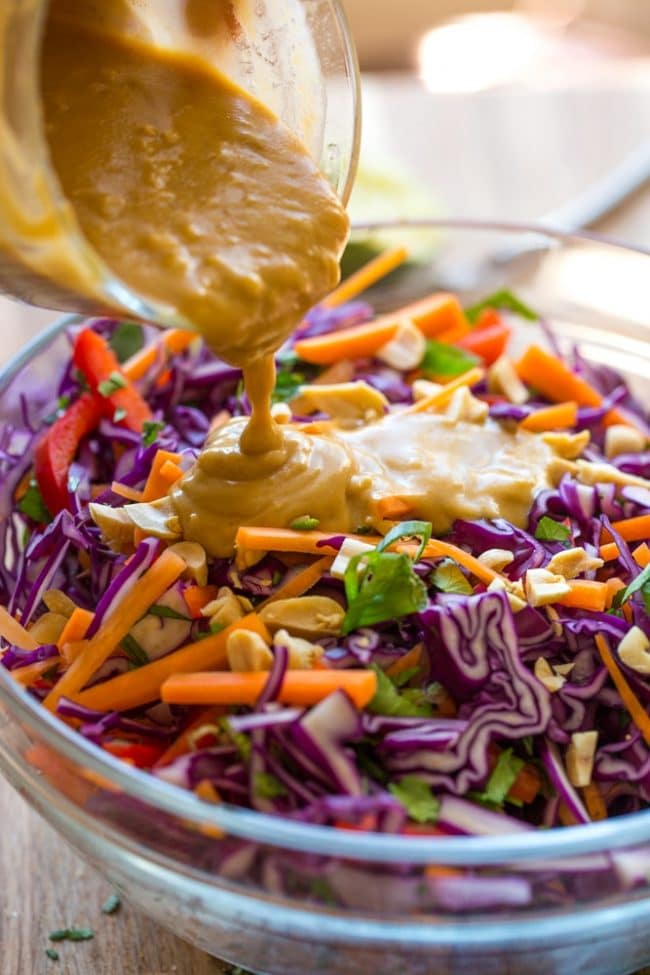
(560, 842)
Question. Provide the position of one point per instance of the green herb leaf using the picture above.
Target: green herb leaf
(32, 505)
(502, 299)
(287, 380)
(166, 613)
(640, 584)
(150, 431)
(390, 700)
(111, 385)
(442, 359)
(120, 414)
(448, 577)
(549, 530)
(126, 340)
(501, 781)
(417, 798)
(72, 934)
(135, 653)
(268, 786)
(305, 524)
(407, 529)
(112, 904)
(52, 954)
(386, 589)
(240, 740)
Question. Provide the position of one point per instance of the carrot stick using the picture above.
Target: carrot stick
(631, 529)
(301, 688)
(609, 552)
(356, 342)
(30, 674)
(141, 686)
(366, 276)
(197, 597)
(287, 540)
(301, 582)
(406, 662)
(171, 342)
(585, 594)
(440, 314)
(613, 586)
(75, 629)
(630, 700)
(594, 802)
(562, 416)
(181, 745)
(124, 491)
(392, 508)
(151, 586)
(159, 482)
(557, 382)
(641, 555)
(14, 633)
(442, 396)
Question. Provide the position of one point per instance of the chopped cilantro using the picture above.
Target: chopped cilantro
(111, 385)
(441, 359)
(268, 786)
(120, 414)
(448, 577)
(287, 380)
(52, 954)
(385, 589)
(72, 934)
(417, 798)
(549, 530)
(135, 653)
(150, 431)
(502, 779)
(390, 700)
(305, 524)
(640, 584)
(502, 299)
(167, 613)
(407, 529)
(126, 340)
(112, 904)
(32, 505)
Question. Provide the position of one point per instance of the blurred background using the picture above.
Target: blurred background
(475, 108)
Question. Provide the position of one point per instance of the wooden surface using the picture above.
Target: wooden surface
(499, 156)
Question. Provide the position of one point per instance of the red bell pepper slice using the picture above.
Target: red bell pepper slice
(142, 755)
(57, 449)
(120, 401)
(489, 342)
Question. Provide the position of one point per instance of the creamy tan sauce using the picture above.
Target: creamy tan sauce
(195, 195)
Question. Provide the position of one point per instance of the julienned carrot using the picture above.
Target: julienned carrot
(641, 553)
(161, 477)
(182, 744)
(301, 688)
(12, 631)
(197, 597)
(300, 582)
(138, 687)
(366, 276)
(407, 661)
(557, 382)
(356, 342)
(562, 416)
(124, 491)
(631, 529)
(441, 398)
(527, 785)
(630, 700)
(30, 674)
(92, 654)
(435, 548)
(171, 342)
(609, 552)
(392, 508)
(74, 630)
(487, 342)
(438, 314)
(287, 540)
(594, 802)
(586, 594)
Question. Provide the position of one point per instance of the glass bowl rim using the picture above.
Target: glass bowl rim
(573, 841)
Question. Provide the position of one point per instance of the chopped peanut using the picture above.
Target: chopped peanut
(247, 651)
(545, 675)
(623, 439)
(496, 558)
(423, 388)
(590, 473)
(195, 559)
(580, 757)
(502, 378)
(303, 655)
(513, 591)
(633, 650)
(352, 401)
(406, 349)
(573, 562)
(306, 616)
(567, 445)
(544, 587)
(464, 406)
(225, 609)
(281, 413)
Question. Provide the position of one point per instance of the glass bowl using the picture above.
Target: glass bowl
(288, 898)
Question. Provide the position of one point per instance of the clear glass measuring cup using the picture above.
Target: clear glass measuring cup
(296, 56)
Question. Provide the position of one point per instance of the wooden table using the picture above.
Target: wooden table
(499, 156)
